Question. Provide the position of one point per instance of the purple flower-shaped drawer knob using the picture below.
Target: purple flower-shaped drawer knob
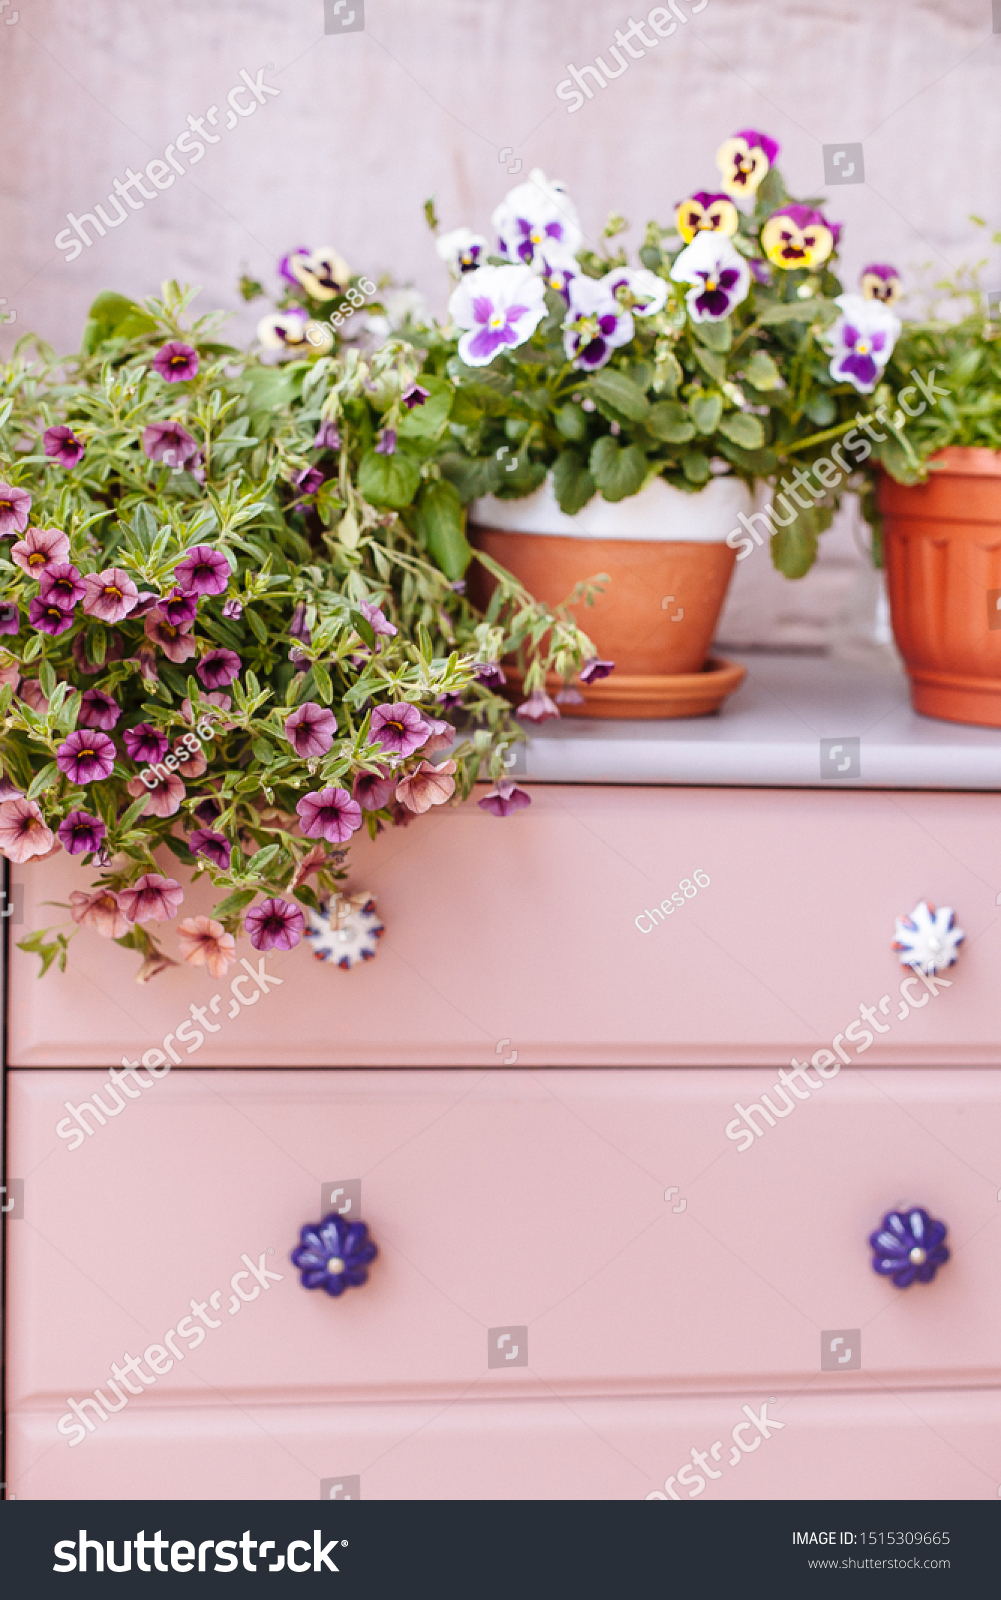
(928, 939)
(908, 1245)
(334, 1254)
(346, 931)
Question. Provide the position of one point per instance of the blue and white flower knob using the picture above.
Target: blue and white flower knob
(928, 939)
(346, 931)
(334, 1254)
(908, 1246)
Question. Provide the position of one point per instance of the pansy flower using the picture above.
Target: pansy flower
(705, 212)
(462, 250)
(500, 307)
(744, 160)
(558, 272)
(40, 548)
(61, 444)
(881, 282)
(109, 595)
(798, 236)
(321, 272)
(596, 323)
(637, 289)
(14, 507)
(862, 340)
(535, 219)
(719, 276)
(176, 362)
(284, 330)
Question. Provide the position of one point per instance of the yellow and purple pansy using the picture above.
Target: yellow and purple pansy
(322, 272)
(705, 212)
(881, 282)
(798, 236)
(862, 341)
(744, 160)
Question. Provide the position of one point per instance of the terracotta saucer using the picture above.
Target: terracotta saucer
(681, 694)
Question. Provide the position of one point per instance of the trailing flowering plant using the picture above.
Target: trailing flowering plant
(233, 626)
(729, 348)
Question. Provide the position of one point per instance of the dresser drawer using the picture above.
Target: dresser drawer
(940, 1445)
(609, 1220)
(551, 938)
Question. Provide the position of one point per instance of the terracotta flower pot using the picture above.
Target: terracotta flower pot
(943, 565)
(666, 555)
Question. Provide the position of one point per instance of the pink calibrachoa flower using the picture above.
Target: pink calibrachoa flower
(205, 943)
(203, 571)
(164, 799)
(378, 619)
(109, 595)
(172, 638)
(428, 786)
(14, 507)
(170, 443)
(274, 925)
(504, 799)
(442, 736)
(98, 710)
(9, 791)
(538, 707)
(99, 910)
(594, 669)
(145, 744)
(193, 762)
(153, 965)
(374, 790)
(61, 584)
(10, 617)
(215, 847)
(49, 617)
(569, 696)
(233, 610)
(330, 814)
(310, 730)
(399, 729)
(87, 756)
(152, 898)
(176, 362)
(62, 444)
(40, 548)
(23, 833)
(490, 674)
(218, 667)
(80, 832)
(10, 672)
(32, 695)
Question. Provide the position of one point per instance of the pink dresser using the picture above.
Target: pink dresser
(619, 1255)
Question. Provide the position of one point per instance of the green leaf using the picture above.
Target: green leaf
(441, 523)
(571, 422)
(695, 466)
(388, 480)
(257, 626)
(772, 192)
(114, 316)
(617, 472)
(614, 391)
(234, 903)
(329, 504)
(762, 372)
(428, 420)
(799, 311)
(47, 679)
(133, 814)
(668, 420)
(572, 482)
(473, 476)
(820, 408)
(706, 410)
(794, 548)
(43, 780)
(324, 687)
(669, 373)
(178, 848)
(714, 335)
(711, 363)
(743, 429)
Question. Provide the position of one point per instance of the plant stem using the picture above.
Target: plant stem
(820, 438)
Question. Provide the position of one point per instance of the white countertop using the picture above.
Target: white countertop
(770, 732)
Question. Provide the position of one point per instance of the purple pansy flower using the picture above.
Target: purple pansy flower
(285, 271)
(718, 273)
(595, 323)
(80, 832)
(61, 585)
(215, 847)
(594, 669)
(49, 617)
(62, 444)
(310, 730)
(744, 160)
(880, 281)
(176, 362)
(218, 667)
(538, 707)
(504, 799)
(170, 443)
(145, 744)
(327, 436)
(10, 617)
(330, 814)
(14, 507)
(203, 571)
(462, 250)
(862, 339)
(500, 306)
(334, 1254)
(399, 729)
(637, 290)
(86, 756)
(98, 710)
(908, 1245)
(274, 925)
(536, 219)
(799, 236)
